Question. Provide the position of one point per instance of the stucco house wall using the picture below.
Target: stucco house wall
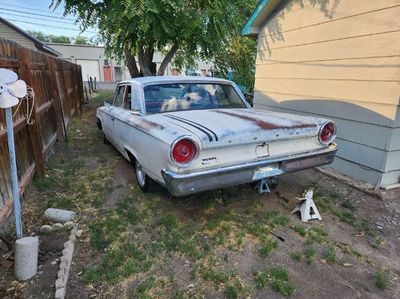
(337, 59)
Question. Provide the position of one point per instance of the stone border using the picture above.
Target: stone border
(65, 265)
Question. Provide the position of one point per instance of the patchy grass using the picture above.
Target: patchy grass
(297, 256)
(381, 280)
(278, 277)
(377, 242)
(104, 95)
(267, 246)
(330, 254)
(310, 255)
(301, 230)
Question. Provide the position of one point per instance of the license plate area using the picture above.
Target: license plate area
(267, 171)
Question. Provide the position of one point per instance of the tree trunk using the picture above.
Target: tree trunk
(131, 63)
(145, 56)
(167, 59)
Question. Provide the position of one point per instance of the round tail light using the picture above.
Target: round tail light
(184, 151)
(327, 133)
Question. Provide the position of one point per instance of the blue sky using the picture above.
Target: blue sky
(35, 15)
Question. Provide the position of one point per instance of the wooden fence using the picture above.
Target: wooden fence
(58, 89)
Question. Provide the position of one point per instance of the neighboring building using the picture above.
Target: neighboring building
(95, 63)
(339, 60)
(11, 32)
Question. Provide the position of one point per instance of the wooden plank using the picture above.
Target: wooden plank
(50, 145)
(43, 109)
(352, 90)
(25, 181)
(357, 25)
(56, 99)
(67, 100)
(9, 63)
(385, 44)
(34, 130)
(300, 14)
(20, 124)
(364, 69)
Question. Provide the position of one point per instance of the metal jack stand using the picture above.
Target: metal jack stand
(262, 186)
(308, 209)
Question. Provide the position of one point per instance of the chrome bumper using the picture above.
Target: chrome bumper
(185, 184)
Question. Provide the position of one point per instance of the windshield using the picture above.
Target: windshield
(190, 96)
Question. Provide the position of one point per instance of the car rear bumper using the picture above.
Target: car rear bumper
(185, 184)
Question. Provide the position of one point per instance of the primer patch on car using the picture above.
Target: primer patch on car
(270, 125)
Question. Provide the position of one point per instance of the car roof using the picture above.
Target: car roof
(173, 79)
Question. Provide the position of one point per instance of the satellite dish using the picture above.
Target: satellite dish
(10, 88)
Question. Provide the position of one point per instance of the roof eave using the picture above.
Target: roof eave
(260, 14)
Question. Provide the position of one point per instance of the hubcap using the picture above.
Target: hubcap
(140, 175)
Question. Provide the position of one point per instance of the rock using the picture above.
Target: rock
(68, 224)
(347, 265)
(57, 215)
(79, 233)
(57, 226)
(190, 286)
(45, 229)
(379, 223)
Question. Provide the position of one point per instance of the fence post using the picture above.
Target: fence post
(56, 99)
(34, 130)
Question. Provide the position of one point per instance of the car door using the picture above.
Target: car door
(128, 114)
(111, 112)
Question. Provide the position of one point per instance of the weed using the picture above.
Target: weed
(214, 275)
(280, 281)
(267, 246)
(330, 254)
(317, 234)
(348, 205)
(301, 230)
(381, 280)
(261, 278)
(231, 291)
(284, 287)
(309, 255)
(146, 285)
(377, 242)
(297, 256)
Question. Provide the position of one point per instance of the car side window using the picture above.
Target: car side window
(119, 97)
(136, 105)
(128, 97)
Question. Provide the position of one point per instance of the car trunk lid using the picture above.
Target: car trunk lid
(221, 127)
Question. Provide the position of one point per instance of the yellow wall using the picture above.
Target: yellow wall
(338, 59)
(344, 50)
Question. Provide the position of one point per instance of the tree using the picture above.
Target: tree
(39, 35)
(132, 28)
(61, 39)
(239, 57)
(81, 40)
(50, 38)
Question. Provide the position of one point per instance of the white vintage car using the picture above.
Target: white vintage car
(192, 134)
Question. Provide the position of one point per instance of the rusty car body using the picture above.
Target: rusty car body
(192, 134)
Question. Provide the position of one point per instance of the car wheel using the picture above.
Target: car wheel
(145, 183)
(105, 140)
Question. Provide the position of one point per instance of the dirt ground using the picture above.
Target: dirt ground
(231, 243)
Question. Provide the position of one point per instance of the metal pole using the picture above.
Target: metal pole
(14, 176)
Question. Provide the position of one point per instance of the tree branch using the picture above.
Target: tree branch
(167, 59)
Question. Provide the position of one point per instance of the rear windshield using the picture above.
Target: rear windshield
(190, 96)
